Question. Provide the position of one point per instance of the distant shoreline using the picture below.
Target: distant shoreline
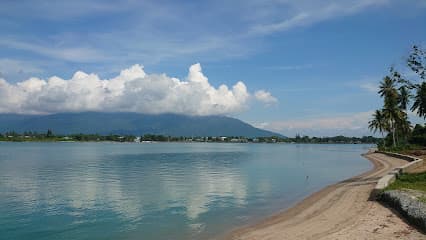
(50, 136)
(189, 142)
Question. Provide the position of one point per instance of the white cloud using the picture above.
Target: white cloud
(139, 34)
(351, 124)
(265, 97)
(354, 124)
(73, 54)
(370, 87)
(311, 12)
(132, 90)
(12, 66)
(291, 67)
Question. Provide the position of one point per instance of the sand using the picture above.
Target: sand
(341, 211)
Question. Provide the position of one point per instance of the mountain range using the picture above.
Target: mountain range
(131, 124)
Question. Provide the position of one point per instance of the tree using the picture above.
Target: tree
(417, 61)
(395, 105)
(388, 91)
(396, 93)
(419, 135)
(387, 87)
(378, 123)
(404, 97)
(419, 104)
(403, 126)
(49, 133)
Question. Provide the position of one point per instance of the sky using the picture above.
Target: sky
(294, 67)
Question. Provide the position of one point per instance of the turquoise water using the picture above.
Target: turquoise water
(158, 190)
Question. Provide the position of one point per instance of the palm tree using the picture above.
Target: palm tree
(419, 104)
(390, 111)
(378, 123)
(404, 125)
(395, 91)
(404, 97)
(386, 86)
(417, 62)
(391, 116)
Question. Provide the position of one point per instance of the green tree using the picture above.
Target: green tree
(404, 97)
(419, 104)
(378, 123)
(49, 133)
(419, 135)
(395, 92)
(417, 61)
(388, 91)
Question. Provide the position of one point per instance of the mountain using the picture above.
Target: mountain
(131, 124)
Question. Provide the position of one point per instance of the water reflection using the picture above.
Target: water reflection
(129, 186)
(158, 191)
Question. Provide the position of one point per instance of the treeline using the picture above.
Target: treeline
(50, 136)
(400, 95)
(336, 139)
(418, 135)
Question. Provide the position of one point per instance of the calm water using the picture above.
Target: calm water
(159, 190)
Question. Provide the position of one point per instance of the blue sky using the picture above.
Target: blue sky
(307, 66)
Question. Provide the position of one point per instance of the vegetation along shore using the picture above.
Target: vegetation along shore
(49, 136)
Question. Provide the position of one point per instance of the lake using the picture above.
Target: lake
(158, 190)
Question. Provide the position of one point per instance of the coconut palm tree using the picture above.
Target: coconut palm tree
(403, 125)
(388, 91)
(417, 62)
(391, 116)
(378, 123)
(419, 103)
(387, 87)
(404, 97)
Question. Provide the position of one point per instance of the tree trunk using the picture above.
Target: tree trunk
(393, 136)
(396, 138)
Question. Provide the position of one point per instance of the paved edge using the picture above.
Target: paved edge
(390, 177)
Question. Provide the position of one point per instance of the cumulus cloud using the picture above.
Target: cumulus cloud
(132, 90)
(265, 97)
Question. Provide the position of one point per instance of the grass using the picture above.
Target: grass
(415, 181)
(408, 149)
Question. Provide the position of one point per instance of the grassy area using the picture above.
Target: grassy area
(415, 181)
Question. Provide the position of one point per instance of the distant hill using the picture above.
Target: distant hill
(131, 124)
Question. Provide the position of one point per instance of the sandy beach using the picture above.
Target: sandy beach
(340, 211)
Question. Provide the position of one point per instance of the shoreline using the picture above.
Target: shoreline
(329, 213)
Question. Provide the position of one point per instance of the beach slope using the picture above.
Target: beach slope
(341, 211)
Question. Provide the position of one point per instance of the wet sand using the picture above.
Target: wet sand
(340, 211)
